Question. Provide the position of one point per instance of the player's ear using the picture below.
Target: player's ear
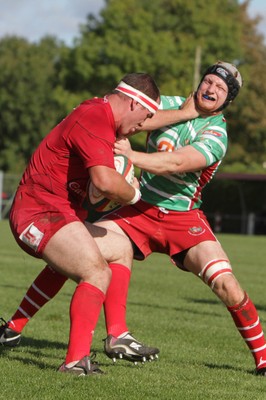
(133, 104)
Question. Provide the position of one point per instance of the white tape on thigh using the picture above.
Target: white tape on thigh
(213, 270)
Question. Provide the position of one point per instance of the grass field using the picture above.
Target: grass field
(202, 355)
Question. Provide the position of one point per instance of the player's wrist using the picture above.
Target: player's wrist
(132, 155)
(136, 197)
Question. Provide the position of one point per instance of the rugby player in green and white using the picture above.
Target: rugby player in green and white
(180, 160)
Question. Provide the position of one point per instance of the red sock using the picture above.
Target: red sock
(85, 308)
(116, 300)
(44, 288)
(248, 324)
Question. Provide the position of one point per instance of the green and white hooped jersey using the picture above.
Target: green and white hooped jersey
(182, 192)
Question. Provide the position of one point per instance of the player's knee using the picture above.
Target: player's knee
(98, 275)
(214, 272)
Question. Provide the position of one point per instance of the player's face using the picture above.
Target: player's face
(134, 120)
(212, 93)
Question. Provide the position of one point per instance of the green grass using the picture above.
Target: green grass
(202, 355)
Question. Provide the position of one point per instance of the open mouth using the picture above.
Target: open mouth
(205, 96)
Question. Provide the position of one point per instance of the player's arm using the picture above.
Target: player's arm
(185, 159)
(113, 185)
(162, 118)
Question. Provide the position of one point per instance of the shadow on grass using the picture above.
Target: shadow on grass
(178, 309)
(31, 356)
(217, 302)
(28, 343)
(191, 300)
(230, 368)
(35, 343)
(46, 366)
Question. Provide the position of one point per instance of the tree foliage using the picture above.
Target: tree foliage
(28, 97)
(40, 83)
(247, 119)
(159, 37)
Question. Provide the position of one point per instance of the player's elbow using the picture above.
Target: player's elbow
(104, 185)
(173, 168)
(109, 183)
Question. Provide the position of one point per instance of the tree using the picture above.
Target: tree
(247, 119)
(40, 83)
(28, 100)
(161, 37)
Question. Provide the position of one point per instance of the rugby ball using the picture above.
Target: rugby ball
(96, 200)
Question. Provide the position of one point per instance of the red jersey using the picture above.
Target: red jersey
(85, 138)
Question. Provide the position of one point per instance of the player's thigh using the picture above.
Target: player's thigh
(110, 225)
(73, 251)
(115, 247)
(201, 254)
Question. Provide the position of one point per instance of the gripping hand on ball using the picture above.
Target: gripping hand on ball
(123, 146)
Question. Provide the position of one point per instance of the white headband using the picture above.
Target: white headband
(137, 95)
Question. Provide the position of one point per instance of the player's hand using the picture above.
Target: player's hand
(135, 183)
(189, 107)
(123, 146)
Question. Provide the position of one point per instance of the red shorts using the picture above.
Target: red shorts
(153, 229)
(37, 215)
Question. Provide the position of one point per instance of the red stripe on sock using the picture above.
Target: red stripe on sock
(49, 282)
(247, 322)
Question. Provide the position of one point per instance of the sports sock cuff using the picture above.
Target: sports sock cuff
(238, 306)
(92, 288)
(121, 267)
